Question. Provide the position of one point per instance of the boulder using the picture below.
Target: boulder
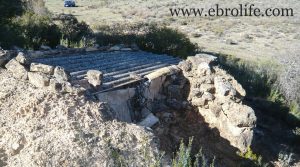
(235, 123)
(43, 68)
(38, 79)
(18, 70)
(61, 74)
(239, 115)
(21, 58)
(95, 77)
(200, 58)
(149, 121)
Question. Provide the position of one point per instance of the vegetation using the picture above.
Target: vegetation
(30, 25)
(260, 80)
(257, 160)
(73, 32)
(166, 40)
(36, 30)
(184, 157)
(151, 38)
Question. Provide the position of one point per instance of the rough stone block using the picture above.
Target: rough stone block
(95, 77)
(149, 121)
(38, 79)
(21, 58)
(200, 58)
(61, 75)
(18, 70)
(43, 68)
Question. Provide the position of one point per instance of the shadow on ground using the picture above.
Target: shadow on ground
(187, 124)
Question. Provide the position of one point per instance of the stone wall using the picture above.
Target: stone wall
(55, 79)
(216, 95)
(197, 83)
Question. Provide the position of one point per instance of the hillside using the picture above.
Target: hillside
(270, 43)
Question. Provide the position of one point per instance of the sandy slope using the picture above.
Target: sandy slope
(39, 128)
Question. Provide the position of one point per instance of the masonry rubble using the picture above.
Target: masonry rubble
(94, 77)
(43, 68)
(55, 79)
(217, 96)
(198, 83)
(21, 58)
(18, 70)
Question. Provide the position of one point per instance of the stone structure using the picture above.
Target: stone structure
(196, 83)
(41, 75)
(216, 95)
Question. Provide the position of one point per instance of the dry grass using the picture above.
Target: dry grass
(256, 39)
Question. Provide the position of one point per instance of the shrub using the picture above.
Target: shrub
(9, 9)
(151, 38)
(260, 80)
(184, 158)
(119, 34)
(74, 33)
(167, 41)
(37, 30)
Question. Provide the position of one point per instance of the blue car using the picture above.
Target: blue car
(70, 3)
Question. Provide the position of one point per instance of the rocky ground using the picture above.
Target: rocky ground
(42, 128)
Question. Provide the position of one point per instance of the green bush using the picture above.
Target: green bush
(9, 9)
(167, 41)
(118, 34)
(151, 38)
(37, 30)
(184, 158)
(74, 33)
